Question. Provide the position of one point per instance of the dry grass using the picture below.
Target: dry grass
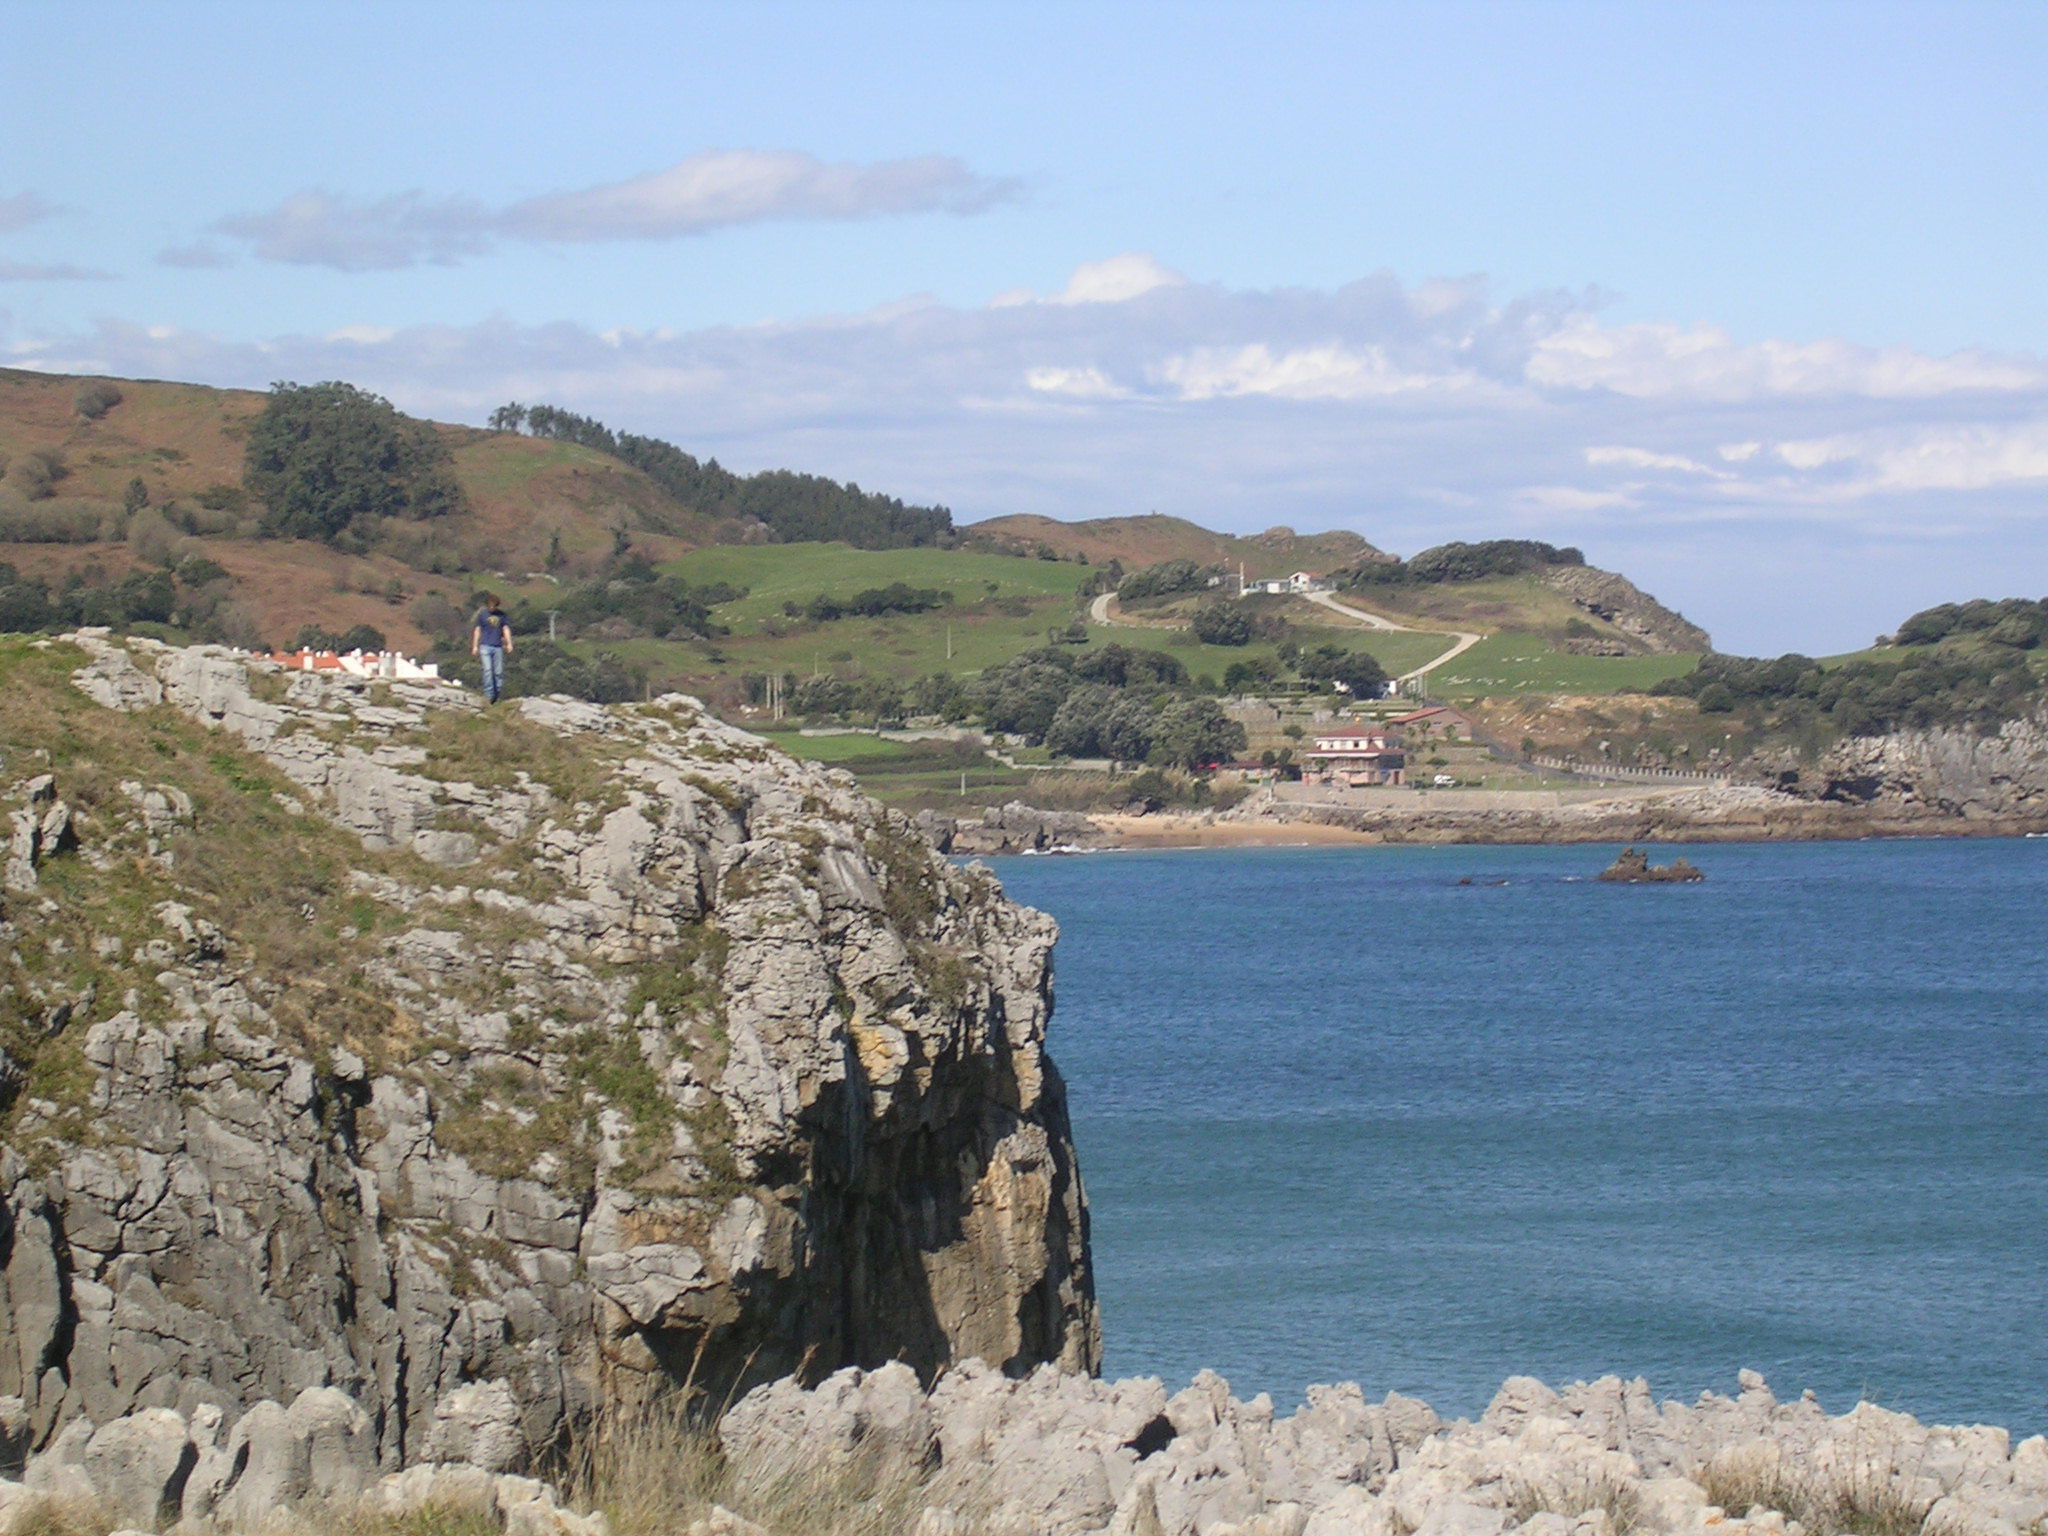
(1577, 1492)
(1873, 1495)
(657, 1473)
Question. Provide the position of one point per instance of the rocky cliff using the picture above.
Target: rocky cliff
(491, 1066)
(1627, 607)
(1908, 778)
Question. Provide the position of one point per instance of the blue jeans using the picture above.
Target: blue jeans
(493, 658)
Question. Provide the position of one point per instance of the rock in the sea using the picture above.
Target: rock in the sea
(1632, 867)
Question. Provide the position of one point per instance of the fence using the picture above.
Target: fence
(1618, 774)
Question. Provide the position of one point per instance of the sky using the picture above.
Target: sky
(1746, 301)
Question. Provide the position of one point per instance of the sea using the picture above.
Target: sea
(1427, 1118)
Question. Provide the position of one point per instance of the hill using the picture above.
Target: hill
(530, 505)
(1136, 542)
(128, 502)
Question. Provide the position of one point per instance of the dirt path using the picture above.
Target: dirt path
(1465, 638)
(1099, 612)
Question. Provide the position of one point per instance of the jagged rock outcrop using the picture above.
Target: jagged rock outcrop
(1012, 828)
(1997, 777)
(1632, 866)
(1072, 1457)
(484, 1066)
(156, 1469)
(1627, 607)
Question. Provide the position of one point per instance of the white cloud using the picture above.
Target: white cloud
(1117, 280)
(1078, 383)
(1656, 361)
(1572, 498)
(1977, 457)
(22, 210)
(1644, 458)
(1113, 280)
(1305, 373)
(713, 190)
(1414, 418)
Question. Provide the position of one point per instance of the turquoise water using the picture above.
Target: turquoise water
(1343, 1118)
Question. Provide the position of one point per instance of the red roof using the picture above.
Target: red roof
(1422, 714)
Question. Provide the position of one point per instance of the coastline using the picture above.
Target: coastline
(1701, 815)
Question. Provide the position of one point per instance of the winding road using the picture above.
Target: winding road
(1465, 638)
(1098, 612)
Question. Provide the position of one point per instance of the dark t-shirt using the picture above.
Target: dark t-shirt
(490, 628)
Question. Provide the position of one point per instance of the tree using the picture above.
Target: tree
(1223, 624)
(1359, 672)
(136, 497)
(324, 456)
(1195, 733)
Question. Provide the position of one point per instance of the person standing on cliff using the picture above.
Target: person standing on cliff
(490, 641)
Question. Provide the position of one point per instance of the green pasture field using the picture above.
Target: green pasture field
(1521, 663)
(854, 749)
(912, 774)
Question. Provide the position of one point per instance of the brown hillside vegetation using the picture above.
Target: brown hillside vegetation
(185, 442)
(1147, 540)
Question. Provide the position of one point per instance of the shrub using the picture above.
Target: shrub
(223, 498)
(95, 397)
(34, 474)
(67, 521)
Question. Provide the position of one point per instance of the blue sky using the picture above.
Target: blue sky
(1746, 300)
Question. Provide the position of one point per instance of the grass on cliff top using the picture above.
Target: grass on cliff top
(273, 879)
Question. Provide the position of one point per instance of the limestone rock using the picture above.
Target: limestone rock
(661, 1057)
(137, 1466)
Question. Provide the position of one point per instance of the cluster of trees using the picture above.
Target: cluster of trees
(2011, 621)
(1868, 695)
(639, 599)
(1231, 622)
(1461, 562)
(797, 507)
(1117, 701)
(897, 597)
(29, 604)
(328, 459)
(1167, 579)
(362, 637)
(1357, 673)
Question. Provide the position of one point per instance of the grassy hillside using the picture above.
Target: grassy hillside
(545, 518)
(1517, 662)
(1141, 541)
(528, 501)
